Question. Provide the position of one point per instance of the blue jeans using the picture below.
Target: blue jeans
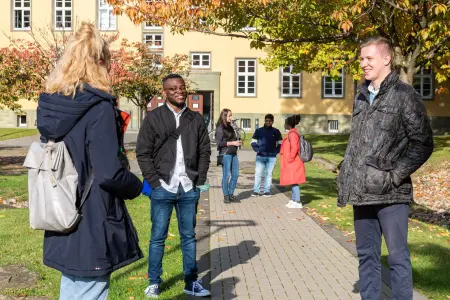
(267, 164)
(371, 222)
(162, 203)
(230, 167)
(86, 288)
(296, 193)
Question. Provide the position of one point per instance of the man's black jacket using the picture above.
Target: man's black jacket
(389, 141)
(157, 161)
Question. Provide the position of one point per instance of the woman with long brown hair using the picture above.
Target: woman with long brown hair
(227, 145)
(78, 109)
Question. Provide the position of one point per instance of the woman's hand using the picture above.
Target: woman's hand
(234, 143)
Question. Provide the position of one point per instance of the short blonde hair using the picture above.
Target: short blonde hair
(85, 60)
(382, 43)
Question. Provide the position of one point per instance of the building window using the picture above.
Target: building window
(333, 126)
(246, 124)
(154, 41)
(290, 83)
(196, 97)
(246, 77)
(22, 14)
(423, 83)
(22, 121)
(201, 60)
(150, 26)
(256, 124)
(106, 19)
(63, 14)
(333, 88)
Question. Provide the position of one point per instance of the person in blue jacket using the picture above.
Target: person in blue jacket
(77, 108)
(266, 142)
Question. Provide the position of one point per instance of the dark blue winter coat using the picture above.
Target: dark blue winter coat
(266, 141)
(105, 239)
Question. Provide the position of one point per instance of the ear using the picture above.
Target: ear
(163, 92)
(387, 60)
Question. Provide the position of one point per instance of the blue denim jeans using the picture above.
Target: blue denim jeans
(371, 222)
(230, 167)
(296, 192)
(267, 164)
(86, 288)
(162, 203)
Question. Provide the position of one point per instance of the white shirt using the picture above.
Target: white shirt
(178, 174)
(372, 92)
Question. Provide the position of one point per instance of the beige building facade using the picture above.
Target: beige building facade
(226, 72)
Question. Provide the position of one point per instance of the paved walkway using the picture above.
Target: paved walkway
(262, 250)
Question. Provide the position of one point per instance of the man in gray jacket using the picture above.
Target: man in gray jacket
(390, 139)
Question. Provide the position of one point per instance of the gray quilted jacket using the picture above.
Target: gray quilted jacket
(389, 141)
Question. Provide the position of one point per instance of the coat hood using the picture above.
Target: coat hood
(57, 114)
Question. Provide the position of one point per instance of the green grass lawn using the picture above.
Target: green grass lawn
(13, 186)
(429, 244)
(14, 133)
(21, 245)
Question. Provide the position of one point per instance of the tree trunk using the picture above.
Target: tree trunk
(407, 75)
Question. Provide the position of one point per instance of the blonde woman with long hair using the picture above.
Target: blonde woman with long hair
(78, 109)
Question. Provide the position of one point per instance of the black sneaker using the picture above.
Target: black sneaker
(269, 194)
(226, 199)
(255, 194)
(196, 289)
(232, 198)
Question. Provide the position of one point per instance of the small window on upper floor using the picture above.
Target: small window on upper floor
(333, 88)
(63, 14)
(246, 77)
(151, 26)
(153, 40)
(290, 83)
(200, 60)
(106, 19)
(423, 83)
(22, 14)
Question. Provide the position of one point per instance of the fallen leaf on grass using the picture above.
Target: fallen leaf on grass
(2, 216)
(171, 234)
(168, 247)
(133, 278)
(131, 298)
(325, 218)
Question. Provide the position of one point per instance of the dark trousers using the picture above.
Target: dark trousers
(162, 203)
(371, 222)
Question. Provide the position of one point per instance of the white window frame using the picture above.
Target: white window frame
(246, 74)
(20, 124)
(333, 82)
(333, 126)
(66, 11)
(149, 26)
(291, 83)
(201, 66)
(245, 128)
(153, 35)
(23, 10)
(103, 6)
(421, 76)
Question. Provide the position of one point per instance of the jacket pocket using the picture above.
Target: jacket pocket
(377, 182)
(387, 117)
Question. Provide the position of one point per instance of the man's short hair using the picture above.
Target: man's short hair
(382, 43)
(171, 76)
(269, 116)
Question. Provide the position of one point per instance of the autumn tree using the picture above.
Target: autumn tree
(314, 35)
(137, 72)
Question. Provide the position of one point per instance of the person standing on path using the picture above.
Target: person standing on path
(292, 168)
(78, 109)
(227, 146)
(266, 142)
(390, 139)
(173, 151)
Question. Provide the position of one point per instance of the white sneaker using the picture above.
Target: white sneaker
(289, 203)
(296, 205)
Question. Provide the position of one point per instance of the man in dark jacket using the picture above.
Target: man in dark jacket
(390, 139)
(266, 142)
(173, 151)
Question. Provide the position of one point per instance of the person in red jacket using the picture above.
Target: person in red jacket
(292, 168)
